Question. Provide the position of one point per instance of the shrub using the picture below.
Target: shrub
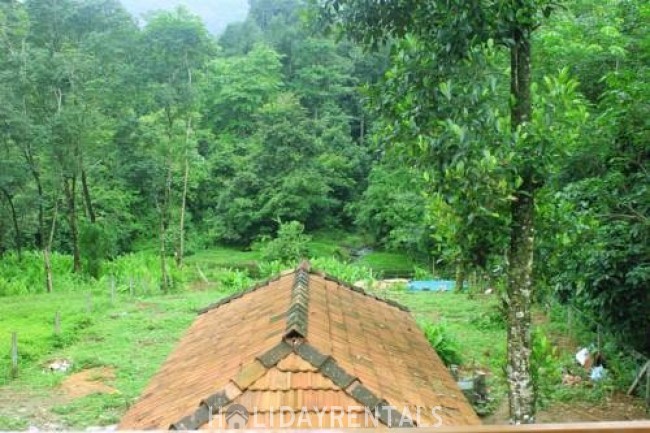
(492, 319)
(545, 367)
(271, 268)
(234, 280)
(442, 341)
(343, 271)
(290, 245)
(25, 274)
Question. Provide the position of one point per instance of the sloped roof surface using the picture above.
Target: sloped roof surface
(303, 341)
(211, 353)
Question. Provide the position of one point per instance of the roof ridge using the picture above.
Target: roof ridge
(297, 314)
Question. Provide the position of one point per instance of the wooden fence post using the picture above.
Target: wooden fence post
(89, 302)
(112, 289)
(57, 323)
(14, 355)
(637, 380)
(131, 287)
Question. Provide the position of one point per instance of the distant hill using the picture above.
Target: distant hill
(217, 14)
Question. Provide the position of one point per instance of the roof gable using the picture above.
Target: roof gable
(322, 340)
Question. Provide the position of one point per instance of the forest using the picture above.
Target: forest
(507, 143)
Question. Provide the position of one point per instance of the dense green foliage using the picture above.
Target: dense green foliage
(596, 231)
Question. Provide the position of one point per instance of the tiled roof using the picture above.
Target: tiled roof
(307, 342)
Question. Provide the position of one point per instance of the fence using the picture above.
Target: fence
(117, 288)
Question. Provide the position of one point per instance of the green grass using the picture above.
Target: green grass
(463, 316)
(389, 263)
(133, 336)
(12, 423)
(224, 256)
(334, 243)
(324, 244)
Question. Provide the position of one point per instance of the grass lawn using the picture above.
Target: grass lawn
(132, 336)
(471, 321)
(224, 257)
(327, 244)
(389, 263)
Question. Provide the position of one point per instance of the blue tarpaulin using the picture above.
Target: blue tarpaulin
(432, 285)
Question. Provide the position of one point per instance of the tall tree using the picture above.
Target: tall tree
(451, 33)
(176, 46)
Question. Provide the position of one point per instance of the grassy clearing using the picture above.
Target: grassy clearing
(323, 245)
(224, 257)
(389, 263)
(133, 336)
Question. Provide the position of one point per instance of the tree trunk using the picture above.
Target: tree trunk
(48, 270)
(520, 254)
(70, 187)
(46, 251)
(14, 219)
(163, 252)
(29, 158)
(87, 200)
(164, 221)
(186, 175)
(460, 276)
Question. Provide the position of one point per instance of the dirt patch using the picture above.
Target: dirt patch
(87, 382)
(27, 407)
(618, 407)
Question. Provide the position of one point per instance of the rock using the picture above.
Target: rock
(60, 366)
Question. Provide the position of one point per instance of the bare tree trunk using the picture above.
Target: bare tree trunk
(186, 175)
(29, 158)
(460, 276)
(164, 214)
(70, 187)
(47, 249)
(163, 252)
(87, 200)
(14, 218)
(520, 254)
(181, 240)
